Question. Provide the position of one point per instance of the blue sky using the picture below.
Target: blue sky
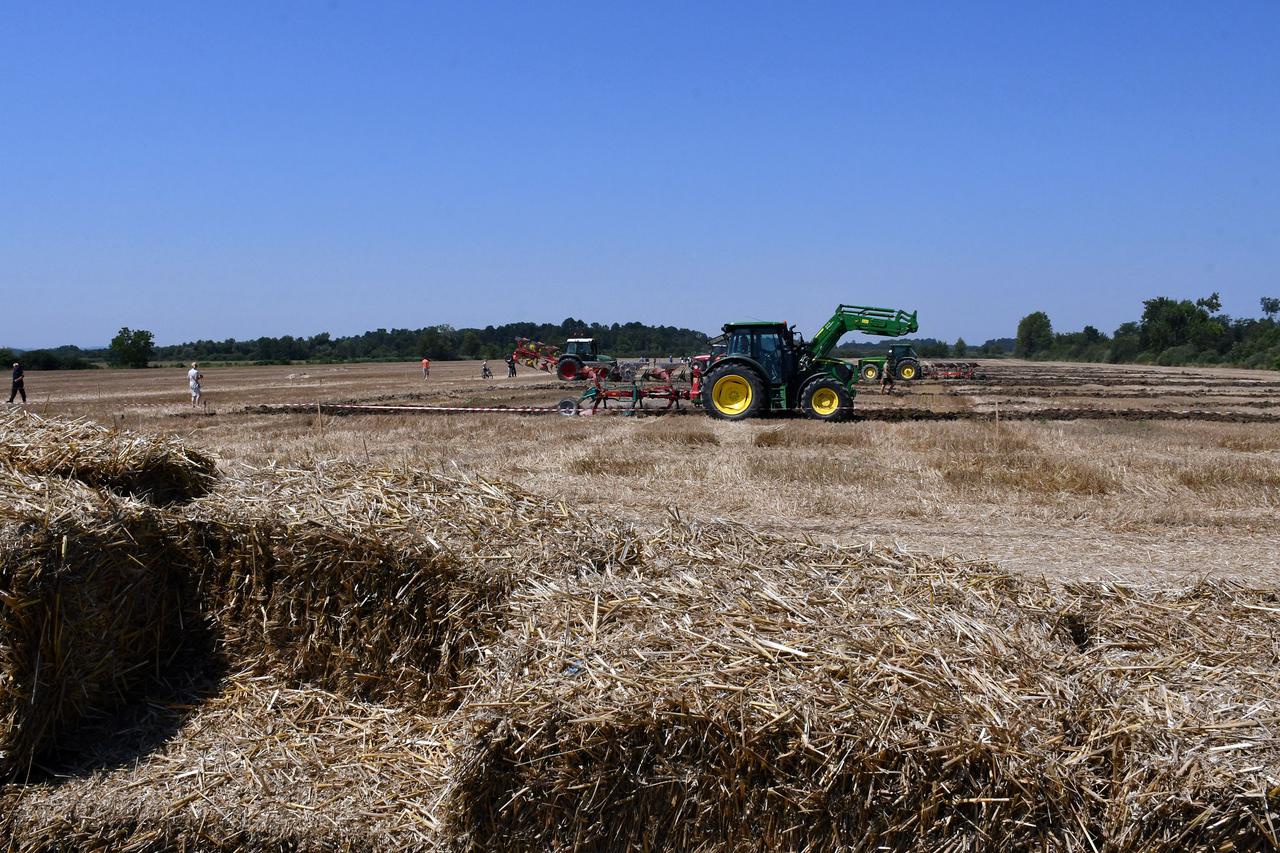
(242, 169)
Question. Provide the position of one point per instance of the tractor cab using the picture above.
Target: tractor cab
(897, 352)
(584, 348)
(903, 362)
(772, 346)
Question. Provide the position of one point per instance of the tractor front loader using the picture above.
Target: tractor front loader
(768, 367)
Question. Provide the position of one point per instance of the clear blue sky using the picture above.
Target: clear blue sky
(224, 169)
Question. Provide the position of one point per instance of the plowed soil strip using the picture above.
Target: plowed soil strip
(861, 414)
(1066, 415)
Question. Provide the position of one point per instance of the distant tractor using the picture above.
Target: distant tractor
(901, 363)
(578, 355)
(766, 366)
(577, 360)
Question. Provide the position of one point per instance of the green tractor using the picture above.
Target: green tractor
(901, 363)
(768, 367)
(581, 353)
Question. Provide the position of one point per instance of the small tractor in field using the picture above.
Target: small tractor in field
(577, 360)
(768, 367)
(901, 363)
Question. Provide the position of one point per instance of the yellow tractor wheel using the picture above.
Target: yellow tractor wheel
(733, 392)
(825, 399)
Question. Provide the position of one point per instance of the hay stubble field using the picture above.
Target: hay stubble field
(1119, 497)
(1035, 612)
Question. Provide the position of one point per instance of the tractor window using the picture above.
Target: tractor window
(764, 347)
(740, 343)
(769, 354)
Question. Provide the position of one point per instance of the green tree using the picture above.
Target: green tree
(470, 346)
(131, 348)
(1035, 335)
(1270, 307)
(1211, 303)
(961, 349)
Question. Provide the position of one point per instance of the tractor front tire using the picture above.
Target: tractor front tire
(568, 369)
(870, 372)
(908, 369)
(826, 399)
(733, 393)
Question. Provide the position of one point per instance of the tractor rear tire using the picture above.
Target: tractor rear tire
(568, 369)
(870, 372)
(825, 399)
(908, 369)
(734, 392)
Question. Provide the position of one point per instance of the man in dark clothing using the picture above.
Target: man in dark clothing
(17, 384)
(511, 366)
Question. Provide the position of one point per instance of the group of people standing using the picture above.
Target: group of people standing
(485, 371)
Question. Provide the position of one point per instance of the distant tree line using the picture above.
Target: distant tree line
(439, 343)
(929, 348)
(1170, 332)
(59, 358)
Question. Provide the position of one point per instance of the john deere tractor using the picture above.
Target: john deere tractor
(901, 363)
(768, 367)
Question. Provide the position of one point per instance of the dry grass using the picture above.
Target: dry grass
(1056, 523)
(609, 465)
(1034, 474)
(1234, 473)
(670, 684)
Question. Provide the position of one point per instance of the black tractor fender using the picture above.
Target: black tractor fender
(744, 360)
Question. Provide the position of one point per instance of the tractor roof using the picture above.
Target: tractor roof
(750, 324)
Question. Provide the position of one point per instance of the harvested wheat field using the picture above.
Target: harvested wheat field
(928, 629)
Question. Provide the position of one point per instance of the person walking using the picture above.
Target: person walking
(193, 379)
(18, 386)
(485, 372)
(426, 368)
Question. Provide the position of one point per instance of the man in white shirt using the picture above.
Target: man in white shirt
(193, 379)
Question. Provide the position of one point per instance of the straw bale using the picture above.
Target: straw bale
(1181, 711)
(260, 767)
(374, 584)
(91, 602)
(747, 692)
(160, 469)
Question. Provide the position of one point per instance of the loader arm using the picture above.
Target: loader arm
(886, 322)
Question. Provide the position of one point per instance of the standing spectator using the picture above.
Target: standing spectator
(511, 366)
(193, 379)
(426, 368)
(18, 387)
(485, 372)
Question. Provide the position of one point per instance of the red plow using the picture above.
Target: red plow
(656, 384)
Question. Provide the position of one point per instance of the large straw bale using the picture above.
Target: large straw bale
(91, 601)
(745, 692)
(262, 766)
(156, 468)
(1180, 704)
(374, 584)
